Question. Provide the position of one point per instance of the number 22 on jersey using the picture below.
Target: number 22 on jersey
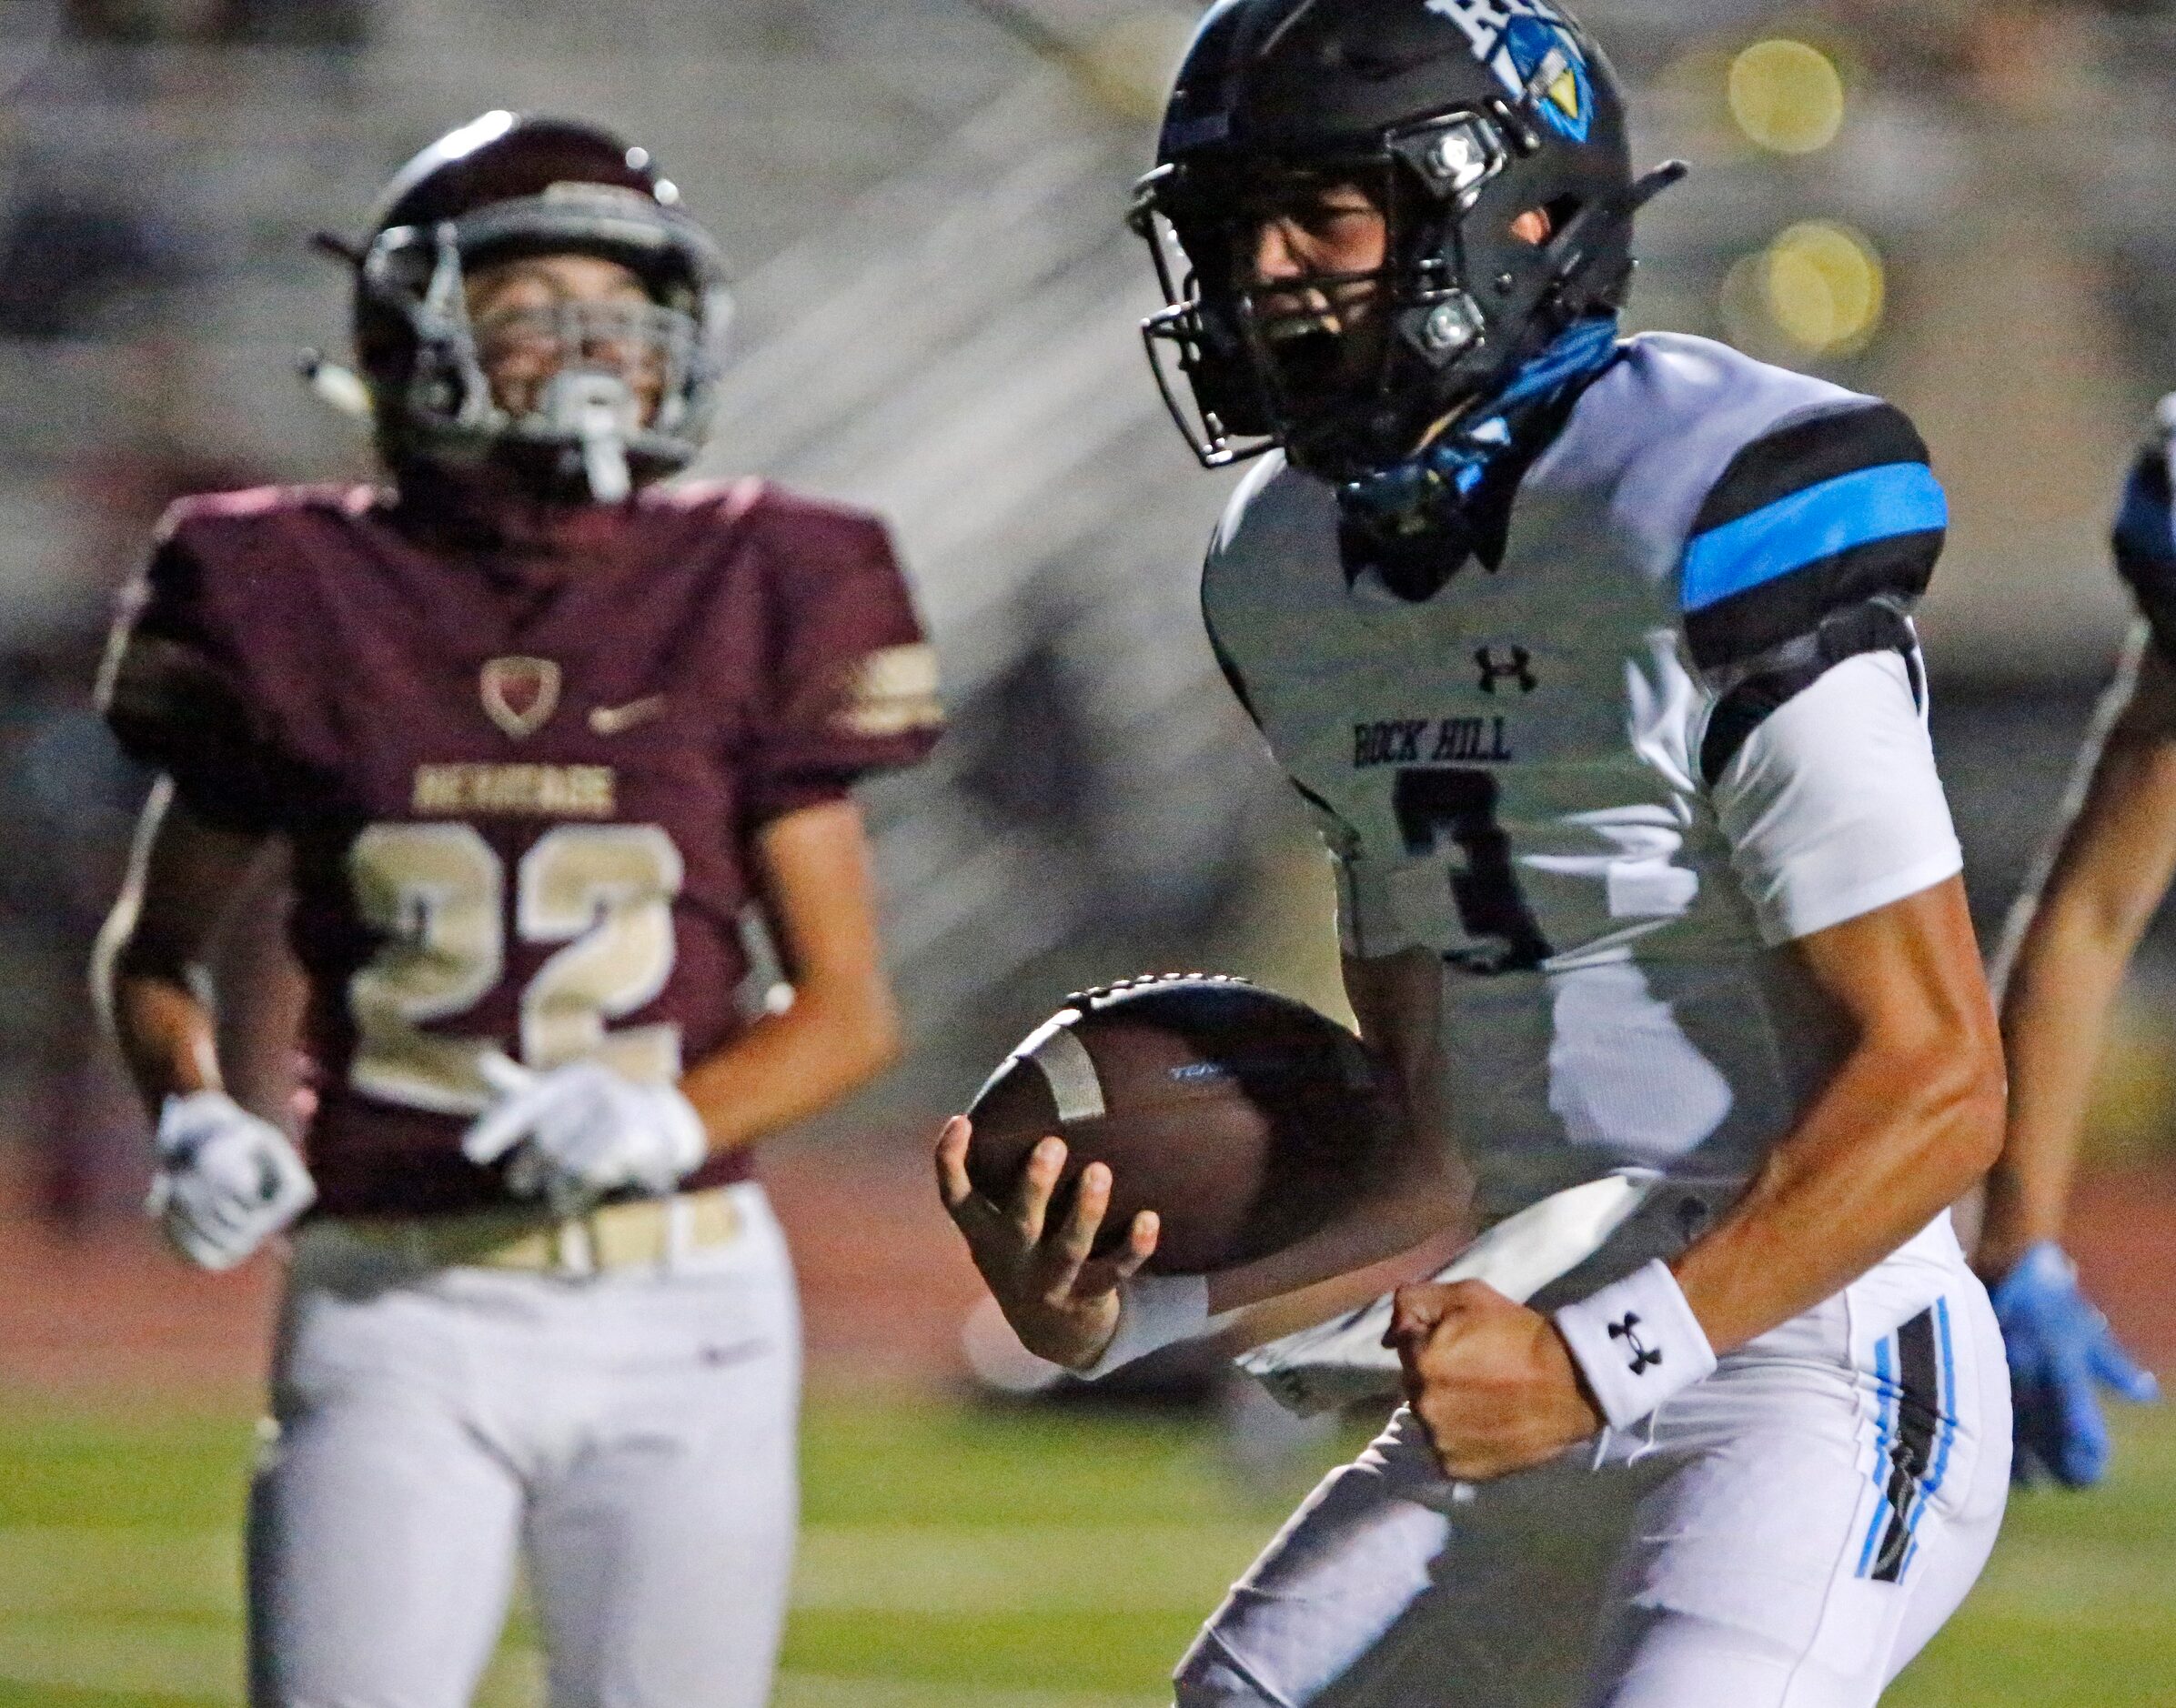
(438, 893)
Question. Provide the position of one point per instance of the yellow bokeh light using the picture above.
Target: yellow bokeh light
(1786, 96)
(1823, 288)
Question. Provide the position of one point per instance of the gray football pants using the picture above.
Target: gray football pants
(632, 1435)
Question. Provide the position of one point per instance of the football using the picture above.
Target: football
(1243, 1118)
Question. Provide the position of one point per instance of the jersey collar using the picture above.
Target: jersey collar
(1418, 522)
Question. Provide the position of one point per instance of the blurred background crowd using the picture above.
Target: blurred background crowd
(1968, 206)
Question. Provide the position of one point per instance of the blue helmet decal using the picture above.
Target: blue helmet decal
(1532, 50)
(1552, 74)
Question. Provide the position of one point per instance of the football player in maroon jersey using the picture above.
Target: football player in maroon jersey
(536, 732)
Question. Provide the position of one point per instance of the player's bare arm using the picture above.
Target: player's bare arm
(2110, 873)
(842, 1027)
(1417, 1209)
(152, 976)
(227, 1179)
(2111, 866)
(1908, 1123)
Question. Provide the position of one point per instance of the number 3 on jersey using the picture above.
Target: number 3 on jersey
(1436, 806)
(436, 891)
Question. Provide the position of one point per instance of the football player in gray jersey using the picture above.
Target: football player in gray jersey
(1593, 658)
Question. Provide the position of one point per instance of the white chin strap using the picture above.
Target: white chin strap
(597, 408)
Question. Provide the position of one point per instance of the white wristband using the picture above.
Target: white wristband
(1154, 1311)
(1638, 1342)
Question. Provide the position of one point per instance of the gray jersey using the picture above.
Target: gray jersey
(1604, 778)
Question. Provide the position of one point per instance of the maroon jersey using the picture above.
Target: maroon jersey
(520, 762)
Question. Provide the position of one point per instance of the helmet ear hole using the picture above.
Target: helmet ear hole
(1560, 211)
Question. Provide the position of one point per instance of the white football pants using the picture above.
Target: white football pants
(1785, 1535)
(631, 1434)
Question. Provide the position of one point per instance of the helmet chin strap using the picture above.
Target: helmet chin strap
(596, 406)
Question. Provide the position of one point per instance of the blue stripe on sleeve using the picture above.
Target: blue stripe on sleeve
(1853, 510)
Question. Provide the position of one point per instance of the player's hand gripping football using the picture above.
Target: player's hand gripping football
(1492, 1381)
(1061, 1302)
(227, 1181)
(574, 1132)
(2062, 1353)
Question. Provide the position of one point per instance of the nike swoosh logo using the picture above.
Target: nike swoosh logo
(609, 720)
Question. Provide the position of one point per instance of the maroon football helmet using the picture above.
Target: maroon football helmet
(509, 185)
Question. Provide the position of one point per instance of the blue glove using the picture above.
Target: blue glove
(2060, 1349)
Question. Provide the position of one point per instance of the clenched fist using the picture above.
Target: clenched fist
(1491, 1382)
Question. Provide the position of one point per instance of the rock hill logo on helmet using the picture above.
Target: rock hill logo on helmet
(1456, 117)
(1528, 46)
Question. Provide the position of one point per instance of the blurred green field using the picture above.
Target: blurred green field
(958, 1559)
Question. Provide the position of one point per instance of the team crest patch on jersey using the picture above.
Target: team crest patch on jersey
(1534, 54)
(520, 693)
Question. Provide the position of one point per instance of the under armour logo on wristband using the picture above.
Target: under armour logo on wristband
(1642, 1354)
(1616, 1337)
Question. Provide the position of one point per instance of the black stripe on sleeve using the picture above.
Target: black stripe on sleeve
(1748, 623)
(1805, 453)
(1876, 626)
(1918, 1417)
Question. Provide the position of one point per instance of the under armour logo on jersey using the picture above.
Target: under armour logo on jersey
(1625, 1329)
(1520, 668)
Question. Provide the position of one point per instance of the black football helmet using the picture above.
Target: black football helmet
(505, 186)
(1454, 117)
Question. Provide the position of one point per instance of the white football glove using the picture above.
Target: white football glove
(579, 1131)
(227, 1181)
